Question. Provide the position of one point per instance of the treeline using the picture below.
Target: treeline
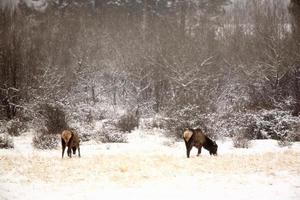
(185, 60)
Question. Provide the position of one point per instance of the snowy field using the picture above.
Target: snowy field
(150, 166)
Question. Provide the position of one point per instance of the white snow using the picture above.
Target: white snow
(150, 166)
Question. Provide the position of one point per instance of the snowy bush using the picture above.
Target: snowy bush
(107, 131)
(88, 113)
(104, 131)
(231, 124)
(3, 128)
(186, 116)
(111, 137)
(127, 122)
(153, 122)
(277, 124)
(284, 143)
(84, 131)
(15, 127)
(84, 137)
(55, 118)
(241, 140)
(6, 141)
(158, 123)
(272, 124)
(175, 127)
(45, 141)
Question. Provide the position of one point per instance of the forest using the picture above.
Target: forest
(106, 67)
(138, 87)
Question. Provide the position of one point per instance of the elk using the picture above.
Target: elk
(71, 140)
(196, 138)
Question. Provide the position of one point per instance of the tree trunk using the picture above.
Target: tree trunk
(145, 19)
(294, 9)
(183, 9)
(296, 110)
(93, 95)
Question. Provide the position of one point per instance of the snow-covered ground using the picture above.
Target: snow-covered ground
(150, 166)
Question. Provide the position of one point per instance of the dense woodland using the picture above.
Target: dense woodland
(229, 67)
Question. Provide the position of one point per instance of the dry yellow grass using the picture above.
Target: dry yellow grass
(135, 169)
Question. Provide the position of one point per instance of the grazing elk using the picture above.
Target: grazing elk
(71, 140)
(196, 138)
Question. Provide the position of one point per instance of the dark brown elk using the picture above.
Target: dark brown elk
(196, 138)
(71, 140)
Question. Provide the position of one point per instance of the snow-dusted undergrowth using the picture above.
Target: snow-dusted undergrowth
(150, 166)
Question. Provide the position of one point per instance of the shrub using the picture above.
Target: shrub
(154, 122)
(15, 127)
(188, 116)
(127, 123)
(45, 141)
(83, 132)
(228, 124)
(109, 133)
(6, 142)
(284, 143)
(278, 125)
(270, 124)
(175, 127)
(240, 141)
(295, 133)
(84, 137)
(109, 137)
(55, 118)
(3, 128)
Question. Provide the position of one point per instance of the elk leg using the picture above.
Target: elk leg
(69, 152)
(63, 144)
(74, 150)
(199, 150)
(78, 151)
(189, 150)
(189, 147)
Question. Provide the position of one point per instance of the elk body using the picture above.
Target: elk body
(71, 140)
(196, 138)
